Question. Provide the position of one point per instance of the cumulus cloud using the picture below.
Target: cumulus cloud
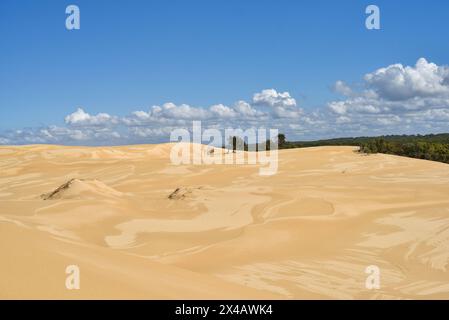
(82, 118)
(169, 113)
(411, 95)
(283, 105)
(183, 111)
(223, 111)
(147, 132)
(343, 119)
(388, 120)
(398, 83)
(166, 114)
(434, 115)
(246, 110)
(356, 105)
(273, 98)
(342, 88)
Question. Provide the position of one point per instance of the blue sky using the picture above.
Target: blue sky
(131, 55)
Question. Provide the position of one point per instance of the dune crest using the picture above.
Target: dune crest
(81, 189)
(183, 192)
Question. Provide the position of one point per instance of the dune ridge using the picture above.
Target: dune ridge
(79, 188)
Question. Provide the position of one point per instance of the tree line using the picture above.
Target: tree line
(428, 150)
(433, 147)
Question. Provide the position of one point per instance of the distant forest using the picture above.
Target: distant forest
(433, 147)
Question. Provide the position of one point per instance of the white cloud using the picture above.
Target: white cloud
(273, 98)
(388, 120)
(171, 114)
(167, 113)
(342, 88)
(435, 115)
(245, 109)
(283, 105)
(222, 111)
(146, 132)
(82, 118)
(183, 111)
(396, 94)
(142, 115)
(4, 141)
(343, 119)
(282, 112)
(398, 82)
(355, 105)
(62, 135)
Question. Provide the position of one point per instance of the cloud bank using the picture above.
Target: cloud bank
(395, 99)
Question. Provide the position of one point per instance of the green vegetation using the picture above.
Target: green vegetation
(435, 151)
(433, 147)
(281, 140)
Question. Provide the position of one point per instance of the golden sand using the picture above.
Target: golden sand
(308, 231)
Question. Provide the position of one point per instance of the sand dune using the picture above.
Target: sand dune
(140, 227)
(81, 189)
